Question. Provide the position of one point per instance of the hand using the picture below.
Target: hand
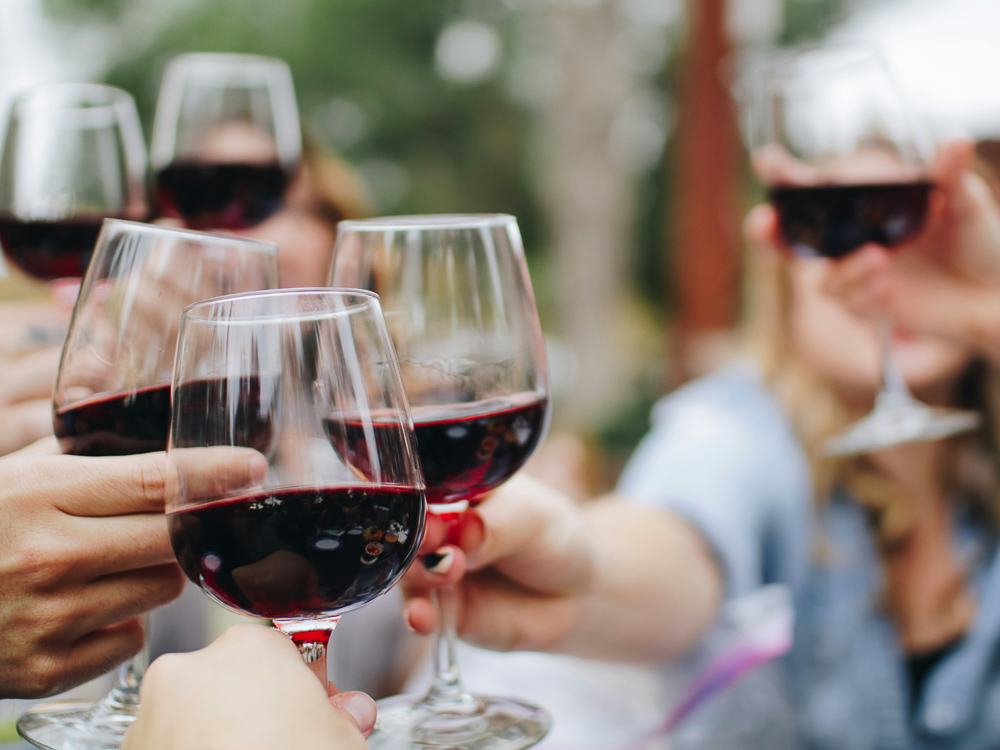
(31, 335)
(250, 690)
(944, 282)
(529, 560)
(608, 579)
(84, 551)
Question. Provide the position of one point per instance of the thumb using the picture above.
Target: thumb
(359, 707)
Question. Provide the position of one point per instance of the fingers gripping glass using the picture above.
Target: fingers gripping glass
(73, 155)
(459, 305)
(265, 515)
(112, 394)
(845, 162)
(226, 139)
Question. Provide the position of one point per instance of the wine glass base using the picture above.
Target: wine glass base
(899, 424)
(74, 725)
(405, 721)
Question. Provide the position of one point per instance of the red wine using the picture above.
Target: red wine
(834, 220)
(138, 421)
(120, 424)
(465, 452)
(249, 413)
(220, 196)
(299, 552)
(48, 250)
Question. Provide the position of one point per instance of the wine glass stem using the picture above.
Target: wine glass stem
(313, 640)
(124, 696)
(894, 391)
(447, 692)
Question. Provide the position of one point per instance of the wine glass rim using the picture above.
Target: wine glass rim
(226, 59)
(89, 95)
(427, 221)
(826, 56)
(191, 311)
(214, 237)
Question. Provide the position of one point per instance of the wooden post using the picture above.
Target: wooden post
(706, 241)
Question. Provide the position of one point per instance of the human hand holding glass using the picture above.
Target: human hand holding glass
(846, 164)
(459, 305)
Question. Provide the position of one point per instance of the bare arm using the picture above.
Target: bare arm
(606, 580)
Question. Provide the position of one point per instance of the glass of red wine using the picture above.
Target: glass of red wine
(458, 301)
(845, 162)
(226, 140)
(112, 394)
(73, 155)
(322, 531)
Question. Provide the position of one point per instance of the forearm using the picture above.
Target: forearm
(656, 588)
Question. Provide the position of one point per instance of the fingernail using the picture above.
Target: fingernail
(362, 709)
(440, 562)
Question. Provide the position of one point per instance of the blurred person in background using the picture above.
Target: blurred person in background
(892, 556)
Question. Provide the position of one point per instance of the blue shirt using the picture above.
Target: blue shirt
(722, 455)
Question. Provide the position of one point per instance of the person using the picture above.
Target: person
(892, 557)
(249, 690)
(84, 552)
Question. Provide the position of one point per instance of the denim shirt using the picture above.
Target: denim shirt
(722, 455)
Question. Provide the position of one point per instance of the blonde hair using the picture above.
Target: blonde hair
(818, 413)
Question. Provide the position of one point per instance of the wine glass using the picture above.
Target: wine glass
(845, 162)
(460, 308)
(73, 155)
(284, 376)
(112, 394)
(226, 139)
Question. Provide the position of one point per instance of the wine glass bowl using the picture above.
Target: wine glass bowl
(312, 536)
(226, 139)
(73, 155)
(845, 162)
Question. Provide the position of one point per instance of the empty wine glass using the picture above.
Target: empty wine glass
(112, 395)
(845, 162)
(226, 139)
(73, 155)
(458, 301)
(283, 376)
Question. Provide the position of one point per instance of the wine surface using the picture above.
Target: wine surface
(835, 220)
(465, 451)
(220, 196)
(303, 552)
(138, 421)
(120, 424)
(48, 250)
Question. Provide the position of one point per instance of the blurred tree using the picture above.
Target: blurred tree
(367, 84)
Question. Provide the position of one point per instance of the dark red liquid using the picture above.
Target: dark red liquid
(225, 411)
(138, 421)
(121, 424)
(48, 250)
(299, 552)
(834, 220)
(463, 457)
(220, 196)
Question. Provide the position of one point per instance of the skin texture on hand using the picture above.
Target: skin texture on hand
(542, 573)
(84, 551)
(250, 690)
